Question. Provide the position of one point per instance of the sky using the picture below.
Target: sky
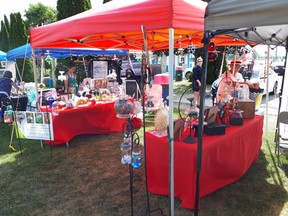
(14, 6)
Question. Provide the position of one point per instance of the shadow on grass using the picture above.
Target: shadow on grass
(89, 179)
(253, 194)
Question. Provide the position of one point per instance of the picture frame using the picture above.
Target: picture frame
(100, 69)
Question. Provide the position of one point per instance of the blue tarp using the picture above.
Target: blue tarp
(2, 56)
(25, 51)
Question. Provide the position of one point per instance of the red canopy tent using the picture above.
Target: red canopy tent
(117, 24)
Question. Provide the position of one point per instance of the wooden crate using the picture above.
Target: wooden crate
(248, 107)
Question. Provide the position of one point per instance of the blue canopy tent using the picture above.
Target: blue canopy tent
(3, 56)
(25, 51)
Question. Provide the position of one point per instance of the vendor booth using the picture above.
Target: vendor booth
(126, 24)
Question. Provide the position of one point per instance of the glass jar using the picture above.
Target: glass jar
(136, 158)
(125, 153)
(123, 108)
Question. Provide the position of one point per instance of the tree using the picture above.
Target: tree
(4, 36)
(18, 32)
(39, 14)
(67, 8)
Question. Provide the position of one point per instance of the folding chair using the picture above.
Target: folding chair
(132, 89)
(5, 100)
(281, 136)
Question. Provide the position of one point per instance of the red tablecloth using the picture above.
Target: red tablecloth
(224, 160)
(93, 119)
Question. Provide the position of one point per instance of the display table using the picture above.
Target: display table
(93, 119)
(225, 159)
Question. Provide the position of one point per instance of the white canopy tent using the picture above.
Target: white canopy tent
(261, 21)
(264, 22)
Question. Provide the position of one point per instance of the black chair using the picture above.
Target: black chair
(132, 89)
(5, 101)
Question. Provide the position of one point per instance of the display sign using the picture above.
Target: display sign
(34, 125)
(100, 69)
(136, 67)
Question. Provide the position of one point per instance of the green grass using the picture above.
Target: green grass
(89, 179)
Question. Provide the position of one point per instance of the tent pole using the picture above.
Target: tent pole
(205, 41)
(35, 77)
(283, 78)
(267, 90)
(171, 119)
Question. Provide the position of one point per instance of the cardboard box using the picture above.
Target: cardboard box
(248, 107)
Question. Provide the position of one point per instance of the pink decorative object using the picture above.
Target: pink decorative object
(162, 79)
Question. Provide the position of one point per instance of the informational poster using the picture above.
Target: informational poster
(100, 69)
(34, 125)
(136, 67)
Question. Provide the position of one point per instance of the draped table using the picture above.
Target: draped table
(86, 119)
(225, 159)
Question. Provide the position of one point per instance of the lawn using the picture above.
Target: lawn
(89, 179)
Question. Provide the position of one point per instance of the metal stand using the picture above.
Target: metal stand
(135, 141)
(145, 63)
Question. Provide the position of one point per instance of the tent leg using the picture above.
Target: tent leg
(205, 40)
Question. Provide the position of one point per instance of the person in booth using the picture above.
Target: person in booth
(70, 82)
(6, 84)
(196, 81)
(230, 79)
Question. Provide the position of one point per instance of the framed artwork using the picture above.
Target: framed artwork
(100, 83)
(100, 69)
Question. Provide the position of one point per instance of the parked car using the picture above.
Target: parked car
(279, 69)
(258, 76)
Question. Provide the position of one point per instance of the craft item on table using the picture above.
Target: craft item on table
(61, 104)
(50, 99)
(223, 113)
(161, 120)
(192, 116)
(123, 108)
(55, 109)
(236, 117)
(69, 104)
(92, 101)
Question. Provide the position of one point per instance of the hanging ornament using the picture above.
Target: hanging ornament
(212, 52)
(48, 58)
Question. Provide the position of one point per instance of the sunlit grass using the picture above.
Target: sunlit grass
(89, 179)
